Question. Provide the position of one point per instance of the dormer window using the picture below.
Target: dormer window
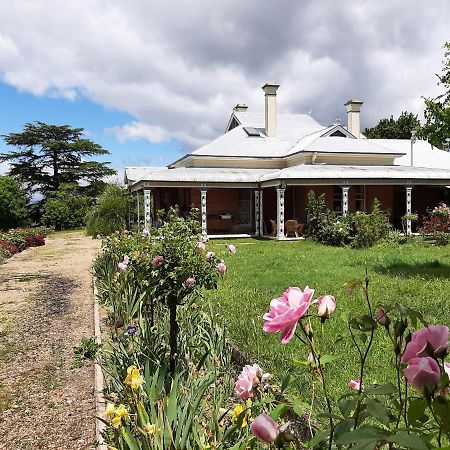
(253, 132)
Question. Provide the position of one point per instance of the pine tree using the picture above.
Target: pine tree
(48, 156)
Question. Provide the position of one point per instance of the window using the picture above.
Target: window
(360, 197)
(337, 199)
(252, 132)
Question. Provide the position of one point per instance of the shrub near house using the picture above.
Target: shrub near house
(359, 230)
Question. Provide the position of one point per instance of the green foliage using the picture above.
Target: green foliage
(370, 228)
(441, 238)
(391, 128)
(437, 110)
(358, 230)
(172, 409)
(110, 213)
(324, 225)
(86, 351)
(66, 208)
(49, 156)
(13, 203)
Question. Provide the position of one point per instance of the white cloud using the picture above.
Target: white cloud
(139, 130)
(179, 69)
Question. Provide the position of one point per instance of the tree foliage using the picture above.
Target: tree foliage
(110, 214)
(49, 156)
(437, 110)
(66, 208)
(391, 128)
(13, 203)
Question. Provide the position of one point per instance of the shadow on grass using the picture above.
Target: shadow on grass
(427, 270)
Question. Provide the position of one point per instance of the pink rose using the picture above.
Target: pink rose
(434, 338)
(221, 267)
(286, 311)
(247, 380)
(422, 373)
(122, 267)
(126, 260)
(382, 317)
(190, 281)
(200, 247)
(157, 260)
(447, 368)
(253, 372)
(264, 428)
(231, 249)
(354, 384)
(326, 304)
(210, 256)
(243, 388)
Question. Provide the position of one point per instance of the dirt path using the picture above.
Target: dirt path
(45, 309)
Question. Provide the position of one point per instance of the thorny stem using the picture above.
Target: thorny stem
(366, 353)
(173, 333)
(437, 421)
(311, 410)
(316, 358)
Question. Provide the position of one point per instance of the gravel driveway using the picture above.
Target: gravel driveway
(46, 402)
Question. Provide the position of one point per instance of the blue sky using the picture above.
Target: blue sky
(151, 80)
(18, 108)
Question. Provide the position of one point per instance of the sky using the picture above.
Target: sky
(151, 80)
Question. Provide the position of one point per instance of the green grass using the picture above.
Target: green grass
(413, 274)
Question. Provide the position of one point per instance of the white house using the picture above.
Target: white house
(257, 174)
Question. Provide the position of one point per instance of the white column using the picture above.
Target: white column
(203, 211)
(261, 215)
(257, 213)
(280, 213)
(345, 190)
(408, 209)
(147, 208)
(138, 212)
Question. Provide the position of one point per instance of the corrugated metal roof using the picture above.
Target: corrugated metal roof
(202, 175)
(343, 172)
(345, 145)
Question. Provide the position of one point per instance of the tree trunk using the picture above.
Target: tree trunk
(173, 333)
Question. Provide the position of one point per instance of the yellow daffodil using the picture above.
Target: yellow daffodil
(121, 411)
(110, 410)
(134, 378)
(237, 411)
(149, 428)
(117, 421)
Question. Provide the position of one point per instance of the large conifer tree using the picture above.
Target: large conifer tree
(48, 156)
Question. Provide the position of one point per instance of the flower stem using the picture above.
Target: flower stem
(316, 358)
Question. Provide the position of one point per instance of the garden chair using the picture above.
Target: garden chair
(292, 227)
(274, 227)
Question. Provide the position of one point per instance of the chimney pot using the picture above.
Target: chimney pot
(240, 107)
(270, 93)
(353, 117)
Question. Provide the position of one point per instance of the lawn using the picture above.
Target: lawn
(414, 274)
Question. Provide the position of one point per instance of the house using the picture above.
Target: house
(257, 174)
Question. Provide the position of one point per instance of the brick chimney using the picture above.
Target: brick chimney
(353, 119)
(270, 93)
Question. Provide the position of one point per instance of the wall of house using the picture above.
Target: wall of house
(426, 197)
(384, 194)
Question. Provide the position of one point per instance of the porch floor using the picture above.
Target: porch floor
(248, 235)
